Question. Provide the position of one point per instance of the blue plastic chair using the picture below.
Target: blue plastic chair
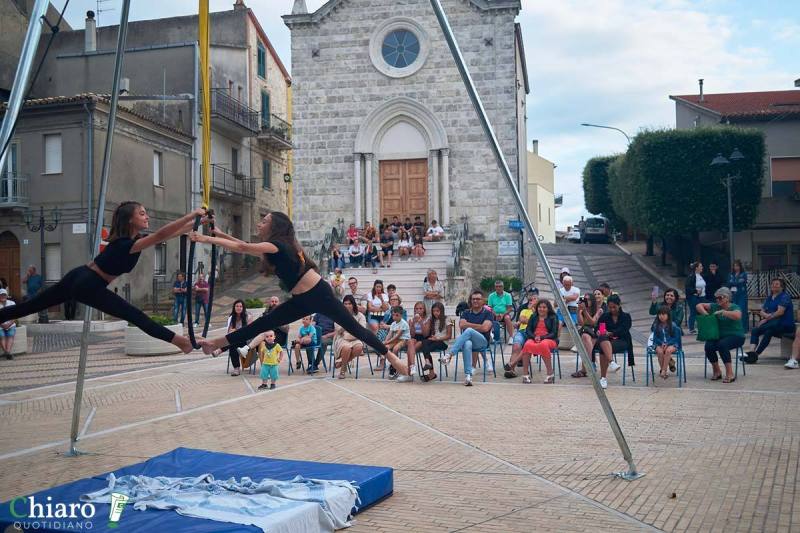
(311, 348)
(349, 368)
(483, 356)
(624, 355)
(680, 364)
(739, 353)
(555, 357)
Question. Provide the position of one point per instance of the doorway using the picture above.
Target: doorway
(404, 189)
(9, 263)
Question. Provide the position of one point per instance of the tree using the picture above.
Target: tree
(596, 189)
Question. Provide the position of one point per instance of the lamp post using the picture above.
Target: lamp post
(607, 128)
(41, 226)
(721, 161)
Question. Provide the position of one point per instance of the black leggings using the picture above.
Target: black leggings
(429, 346)
(766, 331)
(724, 347)
(318, 299)
(86, 286)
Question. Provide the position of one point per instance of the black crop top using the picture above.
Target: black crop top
(288, 266)
(117, 258)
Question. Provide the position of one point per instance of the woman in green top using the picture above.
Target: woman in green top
(672, 300)
(731, 332)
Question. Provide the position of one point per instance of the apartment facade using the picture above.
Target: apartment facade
(541, 200)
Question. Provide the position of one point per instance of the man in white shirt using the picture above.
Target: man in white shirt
(7, 329)
(571, 295)
(435, 232)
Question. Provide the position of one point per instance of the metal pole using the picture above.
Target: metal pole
(43, 318)
(632, 473)
(23, 74)
(101, 206)
(730, 219)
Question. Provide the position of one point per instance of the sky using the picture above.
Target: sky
(608, 62)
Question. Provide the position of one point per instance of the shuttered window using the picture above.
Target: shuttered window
(262, 61)
(52, 257)
(157, 167)
(266, 169)
(52, 153)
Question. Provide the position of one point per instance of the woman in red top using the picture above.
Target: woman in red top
(542, 338)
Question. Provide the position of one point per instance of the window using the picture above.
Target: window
(549, 222)
(157, 168)
(235, 160)
(266, 169)
(262, 61)
(264, 109)
(160, 263)
(52, 259)
(785, 173)
(10, 188)
(12, 161)
(540, 212)
(52, 153)
(400, 48)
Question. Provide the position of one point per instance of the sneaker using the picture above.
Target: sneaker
(263, 386)
(574, 349)
(526, 379)
(672, 364)
(614, 366)
(272, 387)
(792, 363)
(511, 341)
(243, 350)
(603, 383)
(468, 380)
(750, 358)
(405, 379)
(392, 376)
(412, 370)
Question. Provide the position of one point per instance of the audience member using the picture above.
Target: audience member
(605, 288)
(418, 250)
(347, 347)
(441, 332)
(201, 293)
(777, 319)
(371, 256)
(395, 228)
(237, 320)
(794, 357)
(731, 333)
(525, 313)
(282, 333)
(337, 282)
(377, 301)
(383, 226)
(399, 335)
(613, 336)
(33, 282)
(737, 282)
(476, 326)
(432, 289)
(590, 309)
(672, 300)
(352, 233)
(666, 339)
(571, 295)
(503, 308)
(713, 279)
(361, 299)
(370, 233)
(407, 225)
(404, 246)
(8, 329)
(179, 289)
(387, 248)
(419, 224)
(337, 258)
(695, 289)
(541, 339)
(328, 331)
(435, 232)
(420, 326)
(270, 353)
(307, 338)
(355, 254)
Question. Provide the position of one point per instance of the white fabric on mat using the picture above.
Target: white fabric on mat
(297, 506)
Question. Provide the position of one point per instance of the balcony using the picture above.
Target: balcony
(558, 200)
(232, 116)
(275, 133)
(226, 184)
(14, 190)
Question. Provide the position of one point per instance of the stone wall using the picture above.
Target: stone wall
(336, 86)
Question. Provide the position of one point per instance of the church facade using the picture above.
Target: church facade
(383, 125)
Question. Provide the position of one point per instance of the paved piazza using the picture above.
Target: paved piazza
(500, 456)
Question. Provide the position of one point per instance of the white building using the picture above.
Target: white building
(541, 198)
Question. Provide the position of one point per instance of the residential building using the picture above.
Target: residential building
(774, 239)
(541, 200)
(383, 125)
(250, 132)
(55, 162)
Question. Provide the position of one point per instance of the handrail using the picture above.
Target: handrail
(225, 105)
(324, 247)
(460, 235)
(14, 189)
(276, 126)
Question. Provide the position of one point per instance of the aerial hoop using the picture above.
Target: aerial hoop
(211, 280)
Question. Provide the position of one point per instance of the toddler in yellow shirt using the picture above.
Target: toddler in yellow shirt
(270, 354)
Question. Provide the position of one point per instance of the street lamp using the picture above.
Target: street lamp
(721, 161)
(607, 128)
(41, 227)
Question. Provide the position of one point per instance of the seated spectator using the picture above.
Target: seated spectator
(503, 308)
(337, 258)
(605, 288)
(541, 338)
(347, 347)
(476, 326)
(387, 248)
(695, 289)
(386, 321)
(352, 233)
(337, 282)
(370, 233)
(361, 300)
(432, 289)
(571, 295)
(613, 336)
(564, 272)
(399, 335)
(355, 254)
(590, 309)
(237, 320)
(794, 357)
(435, 232)
(405, 245)
(396, 226)
(371, 256)
(307, 338)
(525, 313)
(328, 330)
(419, 224)
(420, 326)
(418, 242)
(7, 329)
(384, 225)
(377, 301)
(666, 340)
(731, 333)
(407, 225)
(672, 300)
(777, 319)
(441, 332)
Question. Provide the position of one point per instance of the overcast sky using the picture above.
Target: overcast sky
(610, 62)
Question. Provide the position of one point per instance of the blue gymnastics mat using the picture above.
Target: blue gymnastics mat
(374, 484)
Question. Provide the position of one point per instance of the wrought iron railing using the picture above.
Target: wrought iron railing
(758, 282)
(223, 180)
(232, 109)
(14, 189)
(275, 125)
(460, 235)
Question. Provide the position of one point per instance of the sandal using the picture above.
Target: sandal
(427, 366)
(716, 378)
(341, 374)
(509, 374)
(729, 380)
(549, 380)
(579, 374)
(526, 379)
(338, 363)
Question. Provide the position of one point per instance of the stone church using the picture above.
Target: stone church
(383, 125)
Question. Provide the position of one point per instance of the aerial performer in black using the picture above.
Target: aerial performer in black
(88, 283)
(283, 256)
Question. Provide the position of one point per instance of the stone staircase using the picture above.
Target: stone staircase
(408, 275)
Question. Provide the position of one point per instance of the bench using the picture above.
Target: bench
(786, 342)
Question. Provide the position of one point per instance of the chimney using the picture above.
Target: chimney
(299, 7)
(535, 144)
(90, 35)
(239, 5)
(702, 98)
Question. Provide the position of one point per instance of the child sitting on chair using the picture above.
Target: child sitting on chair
(270, 354)
(308, 337)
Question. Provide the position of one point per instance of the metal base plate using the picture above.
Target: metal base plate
(74, 452)
(629, 476)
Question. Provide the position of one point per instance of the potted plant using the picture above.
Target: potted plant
(137, 342)
(255, 308)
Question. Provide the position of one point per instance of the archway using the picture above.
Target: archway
(9, 263)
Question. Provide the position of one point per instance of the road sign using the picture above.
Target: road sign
(515, 224)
